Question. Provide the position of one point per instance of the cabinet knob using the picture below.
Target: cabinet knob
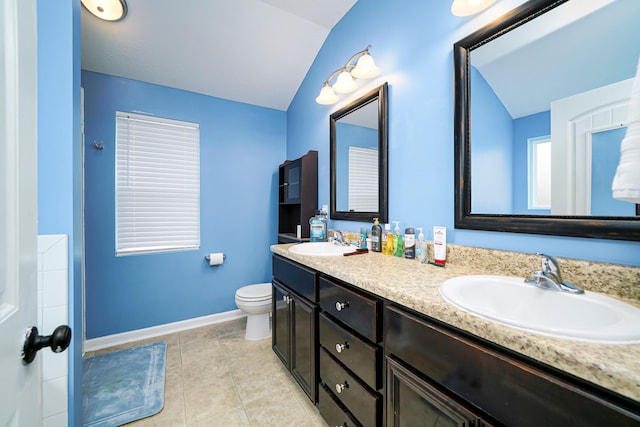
(340, 387)
(341, 305)
(340, 347)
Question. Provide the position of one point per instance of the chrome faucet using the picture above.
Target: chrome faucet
(338, 238)
(550, 277)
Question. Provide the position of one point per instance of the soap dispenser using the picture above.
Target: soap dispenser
(376, 235)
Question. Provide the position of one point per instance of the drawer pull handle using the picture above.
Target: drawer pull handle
(341, 305)
(340, 387)
(340, 347)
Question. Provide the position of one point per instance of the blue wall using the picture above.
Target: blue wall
(241, 147)
(492, 150)
(412, 44)
(60, 160)
(531, 126)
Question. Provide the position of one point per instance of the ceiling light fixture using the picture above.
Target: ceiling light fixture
(364, 68)
(109, 10)
(469, 7)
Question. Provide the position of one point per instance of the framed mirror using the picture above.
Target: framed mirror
(541, 104)
(358, 155)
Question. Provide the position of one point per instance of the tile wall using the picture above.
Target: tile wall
(53, 310)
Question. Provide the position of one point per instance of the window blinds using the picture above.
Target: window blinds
(157, 184)
(363, 179)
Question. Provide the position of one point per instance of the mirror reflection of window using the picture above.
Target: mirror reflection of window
(363, 179)
(539, 162)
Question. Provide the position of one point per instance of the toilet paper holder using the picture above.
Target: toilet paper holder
(208, 258)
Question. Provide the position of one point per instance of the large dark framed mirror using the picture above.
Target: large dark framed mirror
(359, 165)
(541, 104)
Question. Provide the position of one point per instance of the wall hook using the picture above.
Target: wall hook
(98, 146)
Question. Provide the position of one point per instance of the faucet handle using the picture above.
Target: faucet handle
(550, 265)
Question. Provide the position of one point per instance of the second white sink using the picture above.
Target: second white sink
(509, 301)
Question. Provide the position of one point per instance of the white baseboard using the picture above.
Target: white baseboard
(156, 331)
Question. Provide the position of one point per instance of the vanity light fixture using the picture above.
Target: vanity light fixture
(109, 10)
(364, 68)
(469, 7)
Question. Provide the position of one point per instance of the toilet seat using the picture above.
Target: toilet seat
(259, 292)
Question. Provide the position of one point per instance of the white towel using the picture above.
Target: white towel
(626, 182)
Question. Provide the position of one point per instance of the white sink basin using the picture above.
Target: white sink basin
(321, 249)
(509, 301)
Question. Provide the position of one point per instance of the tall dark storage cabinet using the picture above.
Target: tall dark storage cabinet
(297, 196)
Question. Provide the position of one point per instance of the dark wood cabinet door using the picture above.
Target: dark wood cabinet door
(292, 173)
(281, 324)
(304, 351)
(411, 402)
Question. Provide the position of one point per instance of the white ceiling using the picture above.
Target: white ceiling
(576, 47)
(251, 51)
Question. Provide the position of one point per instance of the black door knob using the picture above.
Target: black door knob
(58, 341)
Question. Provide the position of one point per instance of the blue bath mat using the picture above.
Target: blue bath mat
(123, 386)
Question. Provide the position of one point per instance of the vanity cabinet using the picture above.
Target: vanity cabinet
(297, 196)
(294, 322)
(350, 355)
(433, 369)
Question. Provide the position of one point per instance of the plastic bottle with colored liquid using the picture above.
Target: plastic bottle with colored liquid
(398, 247)
(388, 250)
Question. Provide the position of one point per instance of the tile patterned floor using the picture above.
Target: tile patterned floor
(217, 378)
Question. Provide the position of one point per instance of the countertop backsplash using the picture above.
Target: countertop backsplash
(616, 280)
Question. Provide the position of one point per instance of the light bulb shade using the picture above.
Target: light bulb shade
(469, 7)
(365, 68)
(327, 96)
(345, 83)
(109, 10)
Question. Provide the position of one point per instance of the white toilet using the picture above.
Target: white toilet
(255, 300)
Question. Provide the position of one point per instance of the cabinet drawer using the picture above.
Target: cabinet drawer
(361, 357)
(358, 311)
(331, 411)
(363, 404)
(296, 277)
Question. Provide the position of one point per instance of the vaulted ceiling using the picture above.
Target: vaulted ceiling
(251, 51)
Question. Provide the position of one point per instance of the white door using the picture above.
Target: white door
(20, 402)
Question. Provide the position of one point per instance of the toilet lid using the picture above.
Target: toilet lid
(255, 292)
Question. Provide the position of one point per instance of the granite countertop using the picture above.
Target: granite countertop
(415, 285)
